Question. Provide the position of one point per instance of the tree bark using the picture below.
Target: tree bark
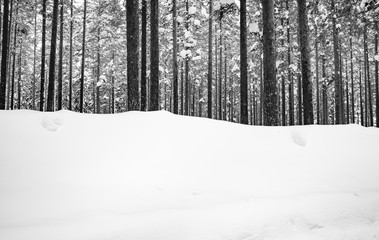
(269, 63)
(144, 56)
(337, 83)
(60, 72)
(210, 59)
(81, 106)
(71, 53)
(377, 75)
(154, 56)
(175, 56)
(4, 54)
(305, 62)
(243, 54)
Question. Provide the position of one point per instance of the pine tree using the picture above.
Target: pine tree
(305, 62)
(210, 59)
(4, 55)
(53, 49)
(175, 56)
(243, 52)
(81, 106)
(133, 54)
(144, 57)
(154, 56)
(269, 65)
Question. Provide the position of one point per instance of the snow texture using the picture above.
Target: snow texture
(157, 176)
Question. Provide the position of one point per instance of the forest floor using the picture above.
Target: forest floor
(157, 176)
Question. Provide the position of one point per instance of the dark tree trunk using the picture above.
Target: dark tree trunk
(186, 75)
(34, 58)
(337, 83)
(243, 53)
(352, 78)
(19, 94)
(300, 97)
(133, 56)
(144, 56)
(210, 59)
(269, 63)
(317, 69)
(283, 81)
(4, 54)
(347, 95)
(13, 67)
(71, 53)
(220, 73)
(175, 56)
(60, 71)
(43, 58)
(361, 95)
(182, 89)
(290, 75)
(377, 75)
(81, 106)
(154, 56)
(53, 50)
(305, 62)
(98, 70)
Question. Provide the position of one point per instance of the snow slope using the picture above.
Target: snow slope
(157, 176)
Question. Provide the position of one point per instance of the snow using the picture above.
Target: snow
(155, 176)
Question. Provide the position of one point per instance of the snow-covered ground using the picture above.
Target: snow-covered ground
(157, 176)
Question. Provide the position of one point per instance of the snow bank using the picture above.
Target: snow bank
(157, 176)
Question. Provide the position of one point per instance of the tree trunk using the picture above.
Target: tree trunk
(154, 56)
(361, 95)
(187, 97)
(269, 63)
(283, 81)
(13, 65)
(243, 54)
(347, 95)
(337, 83)
(305, 62)
(290, 75)
(81, 106)
(300, 97)
(352, 77)
(220, 73)
(98, 70)
(34, 58)
(377, 74)
(19, 96)
(182, 89)
(71, 53)
(175, 56)
(4, 62)
(60, 72)
(317, 69)
(210, 59)
(144, 56)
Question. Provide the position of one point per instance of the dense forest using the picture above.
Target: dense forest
(253, 62)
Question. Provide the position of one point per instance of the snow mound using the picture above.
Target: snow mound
(154, 176)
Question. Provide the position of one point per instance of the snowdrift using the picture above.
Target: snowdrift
(157, 176)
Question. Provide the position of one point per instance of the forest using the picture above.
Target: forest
(272, 63)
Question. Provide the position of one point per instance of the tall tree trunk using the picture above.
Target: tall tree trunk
(53, 50)
(13, 64)
(4, 62)
(154, 56)
(283, 81)
(60, 69)
(225, 85)
(300, 97)
(186, 85)
(317, 68)
(269, 63)
(34, 58)
(220, 72)
(210, 59)
(175, 56)
(81, 106)
(216, 74)
(19, 96)
(144, 56)
(347, 96)
(71, 53)
(113, 87)
(243, 54)
(368, 81)
(182, 89)
(377, 74)
(290, 75)
(361, 95)
(98, 70)
(305, 62)
(9, 69)
(337, 83)
(352, 77)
